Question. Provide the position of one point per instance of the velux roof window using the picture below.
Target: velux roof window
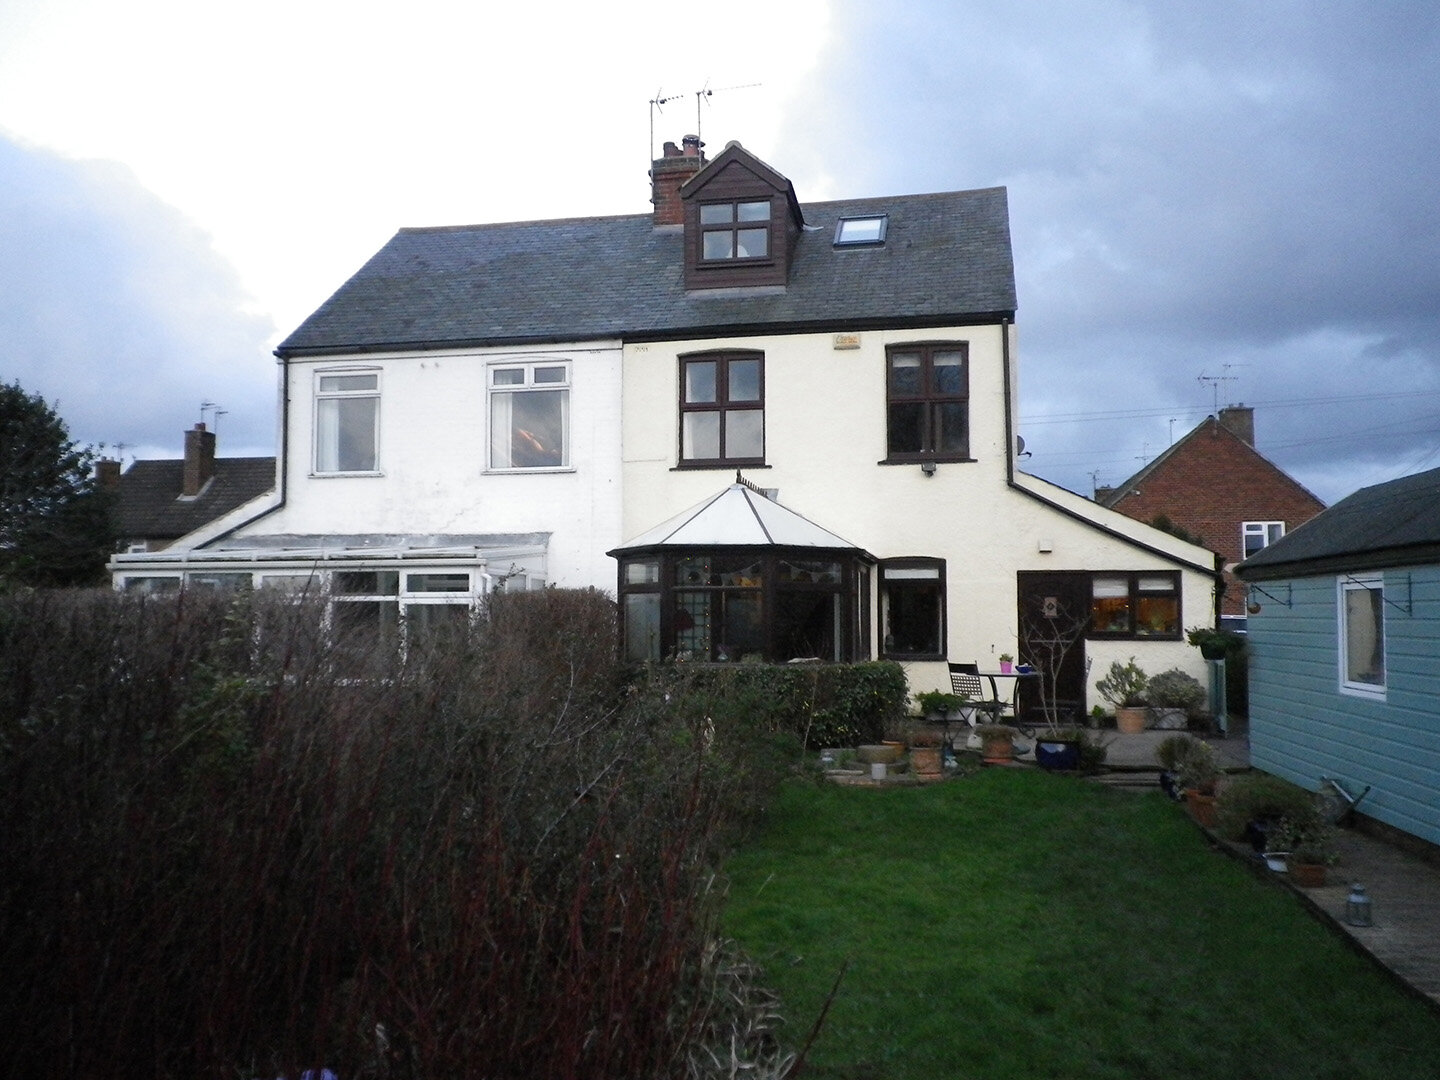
(854, 231)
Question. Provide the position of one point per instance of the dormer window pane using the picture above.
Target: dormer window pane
(717, 213)
(720, 245)
(753, 211)
(753, 243)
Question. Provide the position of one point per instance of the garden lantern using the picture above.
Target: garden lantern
(1357, 907)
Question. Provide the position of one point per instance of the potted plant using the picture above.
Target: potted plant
(1214, 644)
(1170, 754)
(938, 704)
(1060, 749)
(925, 744)
(1198, 776)
(1173, 696)
(1250, 807)
(1007, 661)
(1124, 688)
(997, 743)
(1308, 843)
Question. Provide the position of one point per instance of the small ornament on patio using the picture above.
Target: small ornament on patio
(1357, 907)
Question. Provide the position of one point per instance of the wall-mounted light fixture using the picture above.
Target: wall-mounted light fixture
(928, 468)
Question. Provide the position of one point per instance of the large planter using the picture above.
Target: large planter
(884, 753)
(1057, 755)
(1131, 719)
(1201, 807)
(925, 760)
(1307, 875)
(1168, 719)
(997, 749)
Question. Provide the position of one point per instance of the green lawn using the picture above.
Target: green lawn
(1019, 924)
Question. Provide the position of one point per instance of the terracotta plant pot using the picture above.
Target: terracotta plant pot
(1307, 875)
(925, 760)
(1201, 807)
(997, 749)
(1131, 719)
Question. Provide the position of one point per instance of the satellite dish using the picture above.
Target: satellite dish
(1019, 445)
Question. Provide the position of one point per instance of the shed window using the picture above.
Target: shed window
(1362, 635)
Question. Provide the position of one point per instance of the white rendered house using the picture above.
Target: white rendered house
(514, 405)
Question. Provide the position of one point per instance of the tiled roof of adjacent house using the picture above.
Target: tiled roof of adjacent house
(946, 259)
(1390, 524)
(149, 506)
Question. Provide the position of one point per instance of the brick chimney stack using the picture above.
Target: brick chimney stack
(199, 459)
(107, 474)
(668, 173)
(1239, 420)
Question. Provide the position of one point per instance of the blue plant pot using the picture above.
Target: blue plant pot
(1057, 756)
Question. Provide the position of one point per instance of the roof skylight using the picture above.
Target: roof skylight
(861, 230)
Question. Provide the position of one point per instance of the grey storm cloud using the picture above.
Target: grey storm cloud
(119, 311)
(1238, 191)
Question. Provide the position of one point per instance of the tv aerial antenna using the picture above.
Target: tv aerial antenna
(660, 100)
(1216, 380)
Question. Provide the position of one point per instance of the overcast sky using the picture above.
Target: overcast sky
(1211, 202)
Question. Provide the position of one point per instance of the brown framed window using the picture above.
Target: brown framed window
(735, 230)
(1135, 605)
(927, 402)
(722, 409)
(912, 608)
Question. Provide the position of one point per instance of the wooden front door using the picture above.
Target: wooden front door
(1053, 616)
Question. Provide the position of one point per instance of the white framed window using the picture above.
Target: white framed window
(347, 422)
(530, 415)
(1258, 535)
(1361, 600)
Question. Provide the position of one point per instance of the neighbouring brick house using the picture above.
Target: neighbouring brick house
(1216, 486)
(159, 501)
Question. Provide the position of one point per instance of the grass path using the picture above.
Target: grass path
(1018, 924)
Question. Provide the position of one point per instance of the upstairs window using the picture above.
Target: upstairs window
(530, 415)
(1362, 635)
(735, 230)
(928, 403)
(722, 409)
(1258, 535)
(347, 422)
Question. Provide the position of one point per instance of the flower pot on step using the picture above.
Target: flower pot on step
(1131, 719)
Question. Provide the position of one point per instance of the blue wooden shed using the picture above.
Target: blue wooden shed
(1344, 636)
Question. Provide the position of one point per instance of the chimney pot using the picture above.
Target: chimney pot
(668, 174)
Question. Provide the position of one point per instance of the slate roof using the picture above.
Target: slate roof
(946, 260)
(1391, 524)
(148, 503)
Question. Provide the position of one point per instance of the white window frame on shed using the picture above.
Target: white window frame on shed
(1360, 605)
(341, 398)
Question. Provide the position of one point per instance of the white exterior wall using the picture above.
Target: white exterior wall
(825, 433)
(433, 442)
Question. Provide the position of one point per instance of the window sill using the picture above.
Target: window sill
(701, 466)
(535, 470)
(928, 460)
(343, 475)
(1363, 692)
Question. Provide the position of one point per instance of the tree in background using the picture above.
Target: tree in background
(55, 526)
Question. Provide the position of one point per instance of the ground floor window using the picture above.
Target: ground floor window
(912, 608)
(1362, 634)
(1135, 605)
(730, 606)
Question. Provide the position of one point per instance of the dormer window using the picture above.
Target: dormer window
(735, 230)
(856, 231)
